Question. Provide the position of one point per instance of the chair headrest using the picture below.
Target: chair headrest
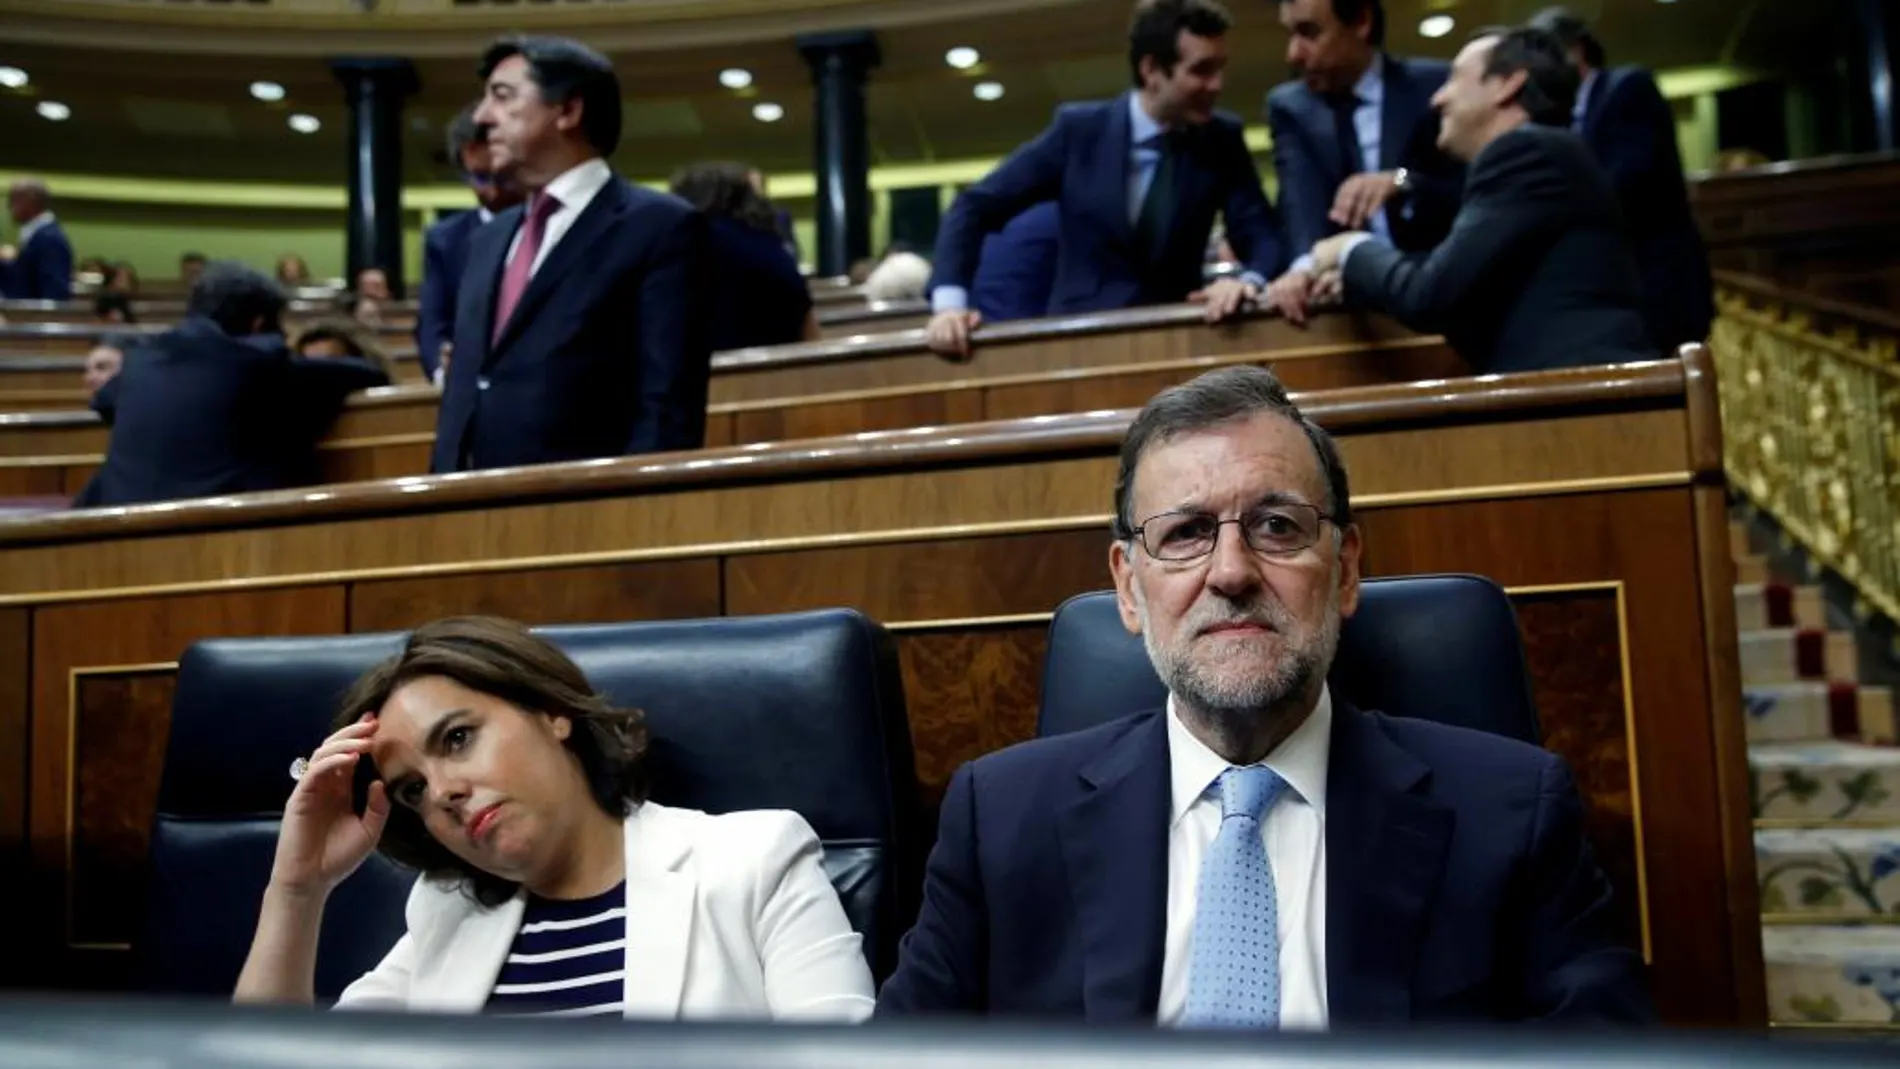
(1436, 647)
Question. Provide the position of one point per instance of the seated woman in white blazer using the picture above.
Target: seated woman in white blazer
(548, 884)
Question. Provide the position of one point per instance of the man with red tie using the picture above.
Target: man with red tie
(580, 329)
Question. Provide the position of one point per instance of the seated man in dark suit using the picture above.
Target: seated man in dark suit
(1258, 853)
(219, 406)
(40, 266)
(581, 328)
(445, 245)
(1622, 116)
(1138, 180)
(1537, 270)
(1017, 268)
(1354, 140)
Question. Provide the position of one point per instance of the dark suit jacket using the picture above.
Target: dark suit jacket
(1630, 129)
(1081, 161)
(1017, 268)
(444, 255)
(1536, 272)
(1308, 158)
(1459, 885)
(607, 353)
(43, 270)
(198, 413)
(759, 297)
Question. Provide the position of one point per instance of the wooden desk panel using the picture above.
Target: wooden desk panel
(1587, 492)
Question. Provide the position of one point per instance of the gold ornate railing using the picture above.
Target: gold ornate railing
(1810, 392)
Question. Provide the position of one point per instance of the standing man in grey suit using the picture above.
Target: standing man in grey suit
(1354, 140)
(1537, 271)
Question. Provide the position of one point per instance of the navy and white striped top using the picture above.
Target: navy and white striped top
(569, 959)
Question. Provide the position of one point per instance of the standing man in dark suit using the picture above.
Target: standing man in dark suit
(40, 266)
(1017, 267)
(219, 406)
(1622, 116)
(445, 245)
(1138, 180)
(1537, 270)
(1258, 853)
(580, 328)
(1354, 140)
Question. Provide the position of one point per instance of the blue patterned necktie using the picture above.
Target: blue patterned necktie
(1234, 964)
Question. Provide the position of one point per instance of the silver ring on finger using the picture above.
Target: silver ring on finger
(298, 767)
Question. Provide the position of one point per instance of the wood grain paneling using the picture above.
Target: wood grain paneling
(1645, 540)
(905, 582)
(819, 419)
(131, 632)
(969, 692)
(33, 478)
(1573, 648)
(670, 590)
(121, 722)
(15, 714)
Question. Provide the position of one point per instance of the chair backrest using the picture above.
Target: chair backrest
(802, 712)
(1436, 647)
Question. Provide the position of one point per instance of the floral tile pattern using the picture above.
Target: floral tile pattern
(1833, 975)
(1825, 782)
(1835, 872)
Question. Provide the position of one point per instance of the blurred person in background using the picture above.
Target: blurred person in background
(445, 246)
(338, 336)
(759, 297)
(39, 265)
(122, 277)
(901, 276)
(548, 884)
(782, 219)
(110, 307)
(219, 405)
(190, 267)
(373, 283)
(106, 358)
(292, 271)
(1621, 114)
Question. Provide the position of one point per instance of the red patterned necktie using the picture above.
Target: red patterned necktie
(514, 277)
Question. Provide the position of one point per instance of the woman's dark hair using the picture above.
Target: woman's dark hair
(123, 267)
(358, 340)
(725, 190)
(283, 265)
(107, 303)
(564, 69)
(503, 659)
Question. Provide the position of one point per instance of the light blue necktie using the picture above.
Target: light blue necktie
(1234, 964)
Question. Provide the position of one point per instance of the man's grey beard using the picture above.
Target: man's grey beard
(1236, 710)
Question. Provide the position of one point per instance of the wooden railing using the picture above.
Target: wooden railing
(1810, 392)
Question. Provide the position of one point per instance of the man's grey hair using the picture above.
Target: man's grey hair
(1213, 399)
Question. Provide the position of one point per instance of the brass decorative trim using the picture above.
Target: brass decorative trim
(1616, 588)
(372, 441)
(71, 799)
(967, 622)
(479, 566)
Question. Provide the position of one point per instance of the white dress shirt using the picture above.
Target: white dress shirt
(33, 226)
(1294, 833)
(575, 188)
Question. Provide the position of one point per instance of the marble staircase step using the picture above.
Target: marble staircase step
(1817, 712)
(1832, 975)
(1828, 875)
(1818, 783)
(1790, 655)
(1767, 606)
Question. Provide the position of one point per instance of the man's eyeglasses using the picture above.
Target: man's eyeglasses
(1276, 530)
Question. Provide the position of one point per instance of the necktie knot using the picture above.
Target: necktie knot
(543, 205)
(1249, 792)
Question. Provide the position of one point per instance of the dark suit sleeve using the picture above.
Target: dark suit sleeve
(106, 400)
(1628, 129)
(1304, 198)
(1031, 174)
(51, 267)
(1252, 228)
(1513, 204)
(675, 341)
(1575, 967)
(940, 966)
(435, 306)
(318, 386)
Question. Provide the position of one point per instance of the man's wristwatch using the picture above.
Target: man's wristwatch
(1402, 181)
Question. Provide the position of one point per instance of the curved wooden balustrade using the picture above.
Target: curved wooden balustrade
(1824, 226)
(1592, 494)
(1054, 366)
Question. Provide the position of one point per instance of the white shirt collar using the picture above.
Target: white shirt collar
(484, 215)
(1370, 88)
(1300, 759)
(576, 186)
(1141, 126)
(35, 225)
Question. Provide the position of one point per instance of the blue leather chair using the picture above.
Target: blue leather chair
(1439, 647)
(802, 712)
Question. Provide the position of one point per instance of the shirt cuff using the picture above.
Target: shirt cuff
(949, 299)
(440, 374)
(1253, 278)
(1345, 253)
(1304, 263)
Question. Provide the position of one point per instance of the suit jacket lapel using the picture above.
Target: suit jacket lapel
(660, 899)
(595, 220)
(462, 975)
(485, 261)
(1593, 107)
(1385, 847)
(1398, 113)
(1115, 842)
(1112, 155)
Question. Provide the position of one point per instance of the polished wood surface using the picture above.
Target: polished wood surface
(1825, 226)
(1576, 489)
